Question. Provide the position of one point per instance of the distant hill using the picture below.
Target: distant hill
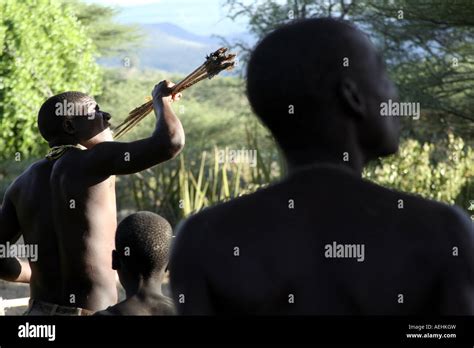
(171, 48)
(178, 32)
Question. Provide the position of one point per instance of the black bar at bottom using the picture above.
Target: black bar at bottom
(267, 330)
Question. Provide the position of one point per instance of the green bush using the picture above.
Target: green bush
(436, 172)
(43, 51)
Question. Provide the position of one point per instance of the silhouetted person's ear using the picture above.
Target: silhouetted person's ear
(115, 260)
(353, 97)
(68, 126)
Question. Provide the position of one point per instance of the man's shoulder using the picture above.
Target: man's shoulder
(73, 158)
(409, 209)
(226, 212)
(74, 164)
(423, 208)
(105, 312)
(34, 167)
(420, 210)
(165, 306)
(457, 224)
(25, 177)
(116, 309)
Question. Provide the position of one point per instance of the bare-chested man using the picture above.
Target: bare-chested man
(323, 240)
(66, 204)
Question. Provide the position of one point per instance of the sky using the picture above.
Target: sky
(203, 17)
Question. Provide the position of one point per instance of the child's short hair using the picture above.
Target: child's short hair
(143, 242)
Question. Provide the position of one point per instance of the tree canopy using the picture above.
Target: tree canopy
(44, 50)
(428, 46)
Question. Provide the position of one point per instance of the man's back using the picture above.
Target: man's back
(84, 209)
(323, 241)
(71, 216)
(32, 198)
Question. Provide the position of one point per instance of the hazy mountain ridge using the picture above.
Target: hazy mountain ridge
(171, 48)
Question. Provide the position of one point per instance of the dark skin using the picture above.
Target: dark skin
(280, 266)
(143, 292)
(67, 206)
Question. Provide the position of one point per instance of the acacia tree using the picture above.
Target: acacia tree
(109, 36)
(429, 48)
(429, 51)
(43, 51)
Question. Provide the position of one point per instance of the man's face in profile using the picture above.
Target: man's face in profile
(380, 134)
(94, 127)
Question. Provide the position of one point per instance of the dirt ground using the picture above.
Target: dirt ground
(10, 290)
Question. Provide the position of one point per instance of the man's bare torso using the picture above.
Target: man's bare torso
(71, 216)
(272, 252)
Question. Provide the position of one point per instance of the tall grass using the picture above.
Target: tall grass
(191, 186)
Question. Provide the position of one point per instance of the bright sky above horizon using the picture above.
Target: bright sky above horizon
(203, 17)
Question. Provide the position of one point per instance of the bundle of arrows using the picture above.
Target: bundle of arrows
(216, 62)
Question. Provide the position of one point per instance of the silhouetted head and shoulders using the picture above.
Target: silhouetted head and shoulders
(318, 85)
(140, 257)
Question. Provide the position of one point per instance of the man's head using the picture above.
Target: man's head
(317, 82)
(73, 118)
(142, 244)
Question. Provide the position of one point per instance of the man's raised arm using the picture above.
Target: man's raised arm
(11, 268)
(166, 142)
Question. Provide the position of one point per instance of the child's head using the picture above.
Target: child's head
(142, 245)
(73, 117)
